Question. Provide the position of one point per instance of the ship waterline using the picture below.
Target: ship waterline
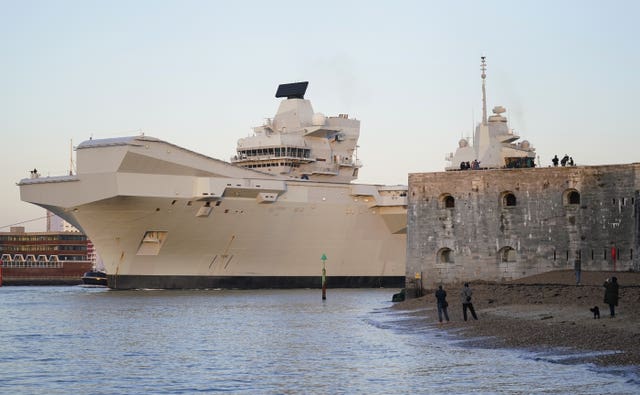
(162, 216)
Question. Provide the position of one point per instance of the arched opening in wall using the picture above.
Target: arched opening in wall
(507, 254)
(571, 197)
(508, 199)
(447, 201)
(445, 255)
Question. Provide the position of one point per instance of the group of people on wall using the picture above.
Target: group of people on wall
(565, 161)
(475, 165)
(509, 163)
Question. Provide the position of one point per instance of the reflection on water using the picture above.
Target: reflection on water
(61, 340)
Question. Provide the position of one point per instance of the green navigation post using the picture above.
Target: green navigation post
(324, 278)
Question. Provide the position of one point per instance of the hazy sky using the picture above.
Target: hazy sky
(200, 74)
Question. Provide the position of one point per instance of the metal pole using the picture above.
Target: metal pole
(324, 281)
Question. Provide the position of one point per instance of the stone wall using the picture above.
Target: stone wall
(504, 224)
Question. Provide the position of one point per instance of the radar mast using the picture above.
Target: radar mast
(483, 68)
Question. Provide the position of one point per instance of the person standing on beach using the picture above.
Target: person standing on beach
(466, 302)
(441, 300)
(577, 266)
(611, 294)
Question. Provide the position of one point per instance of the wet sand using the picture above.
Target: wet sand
(548, 311)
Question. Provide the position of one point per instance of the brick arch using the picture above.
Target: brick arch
(508, 199)
(444, 255)
(507, 254)
(571, 197)
(447, 201)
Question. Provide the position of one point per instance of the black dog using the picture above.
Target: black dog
(596, 312)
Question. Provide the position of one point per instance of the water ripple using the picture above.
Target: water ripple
(62, 340)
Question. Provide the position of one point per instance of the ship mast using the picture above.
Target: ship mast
(71, 157)
(483, 68)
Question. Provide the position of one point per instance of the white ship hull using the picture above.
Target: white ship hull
(161, 216)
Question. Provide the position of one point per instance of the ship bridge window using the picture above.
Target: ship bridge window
(571, 197)
(508, 199)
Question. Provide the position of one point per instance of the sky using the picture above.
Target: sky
(201, 74)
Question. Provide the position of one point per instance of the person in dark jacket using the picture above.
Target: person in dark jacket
(441, 300)
(466, 302)
(611, 294)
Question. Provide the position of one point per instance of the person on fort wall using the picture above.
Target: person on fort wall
(466, 302)
(611, 294)
(441, 301)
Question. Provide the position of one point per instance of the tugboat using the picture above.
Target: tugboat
(95, 277)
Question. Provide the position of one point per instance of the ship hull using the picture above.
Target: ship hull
(67, 273)
(251, 282)
(245, 244)
(164, 217)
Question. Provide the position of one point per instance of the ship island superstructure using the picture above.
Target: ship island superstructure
(162, 216)
(494, 143)
(302, 144)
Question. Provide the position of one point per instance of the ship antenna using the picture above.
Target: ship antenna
(473, 122)
(71, 157)
(483, 68)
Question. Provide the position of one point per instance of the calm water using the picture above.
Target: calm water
(74, 340)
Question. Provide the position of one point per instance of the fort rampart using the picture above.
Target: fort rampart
(499, 225)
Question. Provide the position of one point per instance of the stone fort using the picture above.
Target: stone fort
(504, 224)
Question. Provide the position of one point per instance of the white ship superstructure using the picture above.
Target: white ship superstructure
(162, 216)
(302, 144)
(494, 143)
